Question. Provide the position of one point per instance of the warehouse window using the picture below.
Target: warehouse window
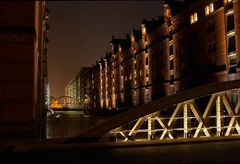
(193, 18)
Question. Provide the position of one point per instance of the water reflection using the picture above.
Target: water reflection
(67, 124)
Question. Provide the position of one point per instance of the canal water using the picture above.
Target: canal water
(67, 124)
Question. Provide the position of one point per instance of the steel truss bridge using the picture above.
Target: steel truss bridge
(177, 116)
(65, 102)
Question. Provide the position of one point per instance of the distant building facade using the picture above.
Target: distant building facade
(193, 43)
(79, 87)
(71, 88)
(85, 86)
(23, 68)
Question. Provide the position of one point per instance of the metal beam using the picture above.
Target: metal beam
(201, 122)
(206, 114)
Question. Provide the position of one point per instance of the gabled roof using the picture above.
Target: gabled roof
(153, 24)
(124, 43)
(178, 5)
(137, 35)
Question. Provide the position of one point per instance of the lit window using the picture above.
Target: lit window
(191, 19)
(195, 17)
(207, 10)
(211, 6)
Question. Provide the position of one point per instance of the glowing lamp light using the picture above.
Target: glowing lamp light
(144, 29)
(167, 12)
(132, 39)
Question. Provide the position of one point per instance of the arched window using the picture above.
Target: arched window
(211, 7)
(191, 19)
(195, 17)
(207, 10)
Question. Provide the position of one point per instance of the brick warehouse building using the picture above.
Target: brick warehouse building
(193, 43)
(78, 87)
(23, 66)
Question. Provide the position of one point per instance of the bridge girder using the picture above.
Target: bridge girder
(154, 106)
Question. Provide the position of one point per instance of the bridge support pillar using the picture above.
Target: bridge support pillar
(218, 115)
(151, 127)
(186, 121)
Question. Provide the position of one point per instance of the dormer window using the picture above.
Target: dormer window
(193, 18)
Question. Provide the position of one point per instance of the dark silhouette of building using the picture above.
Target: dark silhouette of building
(23, 66)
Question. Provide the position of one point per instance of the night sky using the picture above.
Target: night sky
(80, 32)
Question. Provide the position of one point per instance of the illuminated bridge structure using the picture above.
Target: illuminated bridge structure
(65, 102)
(185, 118)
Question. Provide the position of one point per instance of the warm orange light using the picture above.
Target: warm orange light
(191, 19)
(119, 48)
(55, 104)
(211, 6)
(167, 12)
(132, 39)
(207, 10)
(195, 17)
(143, 29)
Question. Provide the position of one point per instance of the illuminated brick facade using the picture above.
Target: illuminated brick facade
(193, 43)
